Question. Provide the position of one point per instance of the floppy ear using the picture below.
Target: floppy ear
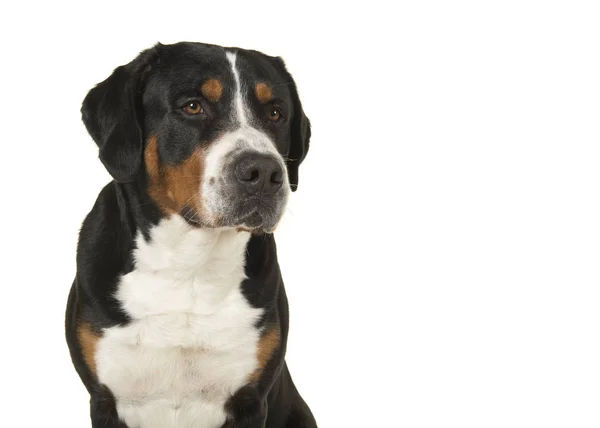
(112, 114)
(300, 142)
(300, 131)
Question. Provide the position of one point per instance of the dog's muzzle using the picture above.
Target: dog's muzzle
(257, 190)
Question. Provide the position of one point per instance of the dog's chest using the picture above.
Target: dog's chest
(192, 341)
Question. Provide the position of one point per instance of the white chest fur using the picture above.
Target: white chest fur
(192, 342)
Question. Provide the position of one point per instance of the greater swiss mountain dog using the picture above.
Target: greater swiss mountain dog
(178, 317)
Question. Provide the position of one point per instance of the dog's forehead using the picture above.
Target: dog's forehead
(188, 66)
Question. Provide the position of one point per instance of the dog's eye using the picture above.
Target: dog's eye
(193, 108)
(274, 114)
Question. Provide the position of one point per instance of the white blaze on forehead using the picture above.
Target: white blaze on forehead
(238, 100)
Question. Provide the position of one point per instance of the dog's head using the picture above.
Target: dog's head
(215, 134)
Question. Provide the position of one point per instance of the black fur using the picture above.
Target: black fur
(120, 113)
(300, 130)
(112, 114)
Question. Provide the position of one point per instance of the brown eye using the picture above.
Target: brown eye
(193, 108)
(274, 114)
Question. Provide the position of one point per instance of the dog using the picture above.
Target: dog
(178, 316)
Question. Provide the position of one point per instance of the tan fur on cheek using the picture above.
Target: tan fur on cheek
(174, 187)
(263, 93)
(88, 342)
(212, 89)
(267, 345)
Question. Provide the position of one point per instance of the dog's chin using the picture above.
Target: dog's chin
(258, 221)
(253, 221)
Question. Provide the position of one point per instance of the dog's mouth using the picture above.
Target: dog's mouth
(251, 216)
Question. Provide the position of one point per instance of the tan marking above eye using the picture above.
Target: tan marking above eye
(263, 93)
(212, 89)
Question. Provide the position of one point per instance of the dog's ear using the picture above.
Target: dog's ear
(300, 130)
(300, 142)
(113, 115)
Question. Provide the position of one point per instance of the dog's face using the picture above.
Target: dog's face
(213, 134)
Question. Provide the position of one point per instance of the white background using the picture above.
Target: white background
(441, 256)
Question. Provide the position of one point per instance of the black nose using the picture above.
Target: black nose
(257, 172)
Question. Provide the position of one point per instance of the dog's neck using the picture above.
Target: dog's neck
(174, 246)
(211, 261)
